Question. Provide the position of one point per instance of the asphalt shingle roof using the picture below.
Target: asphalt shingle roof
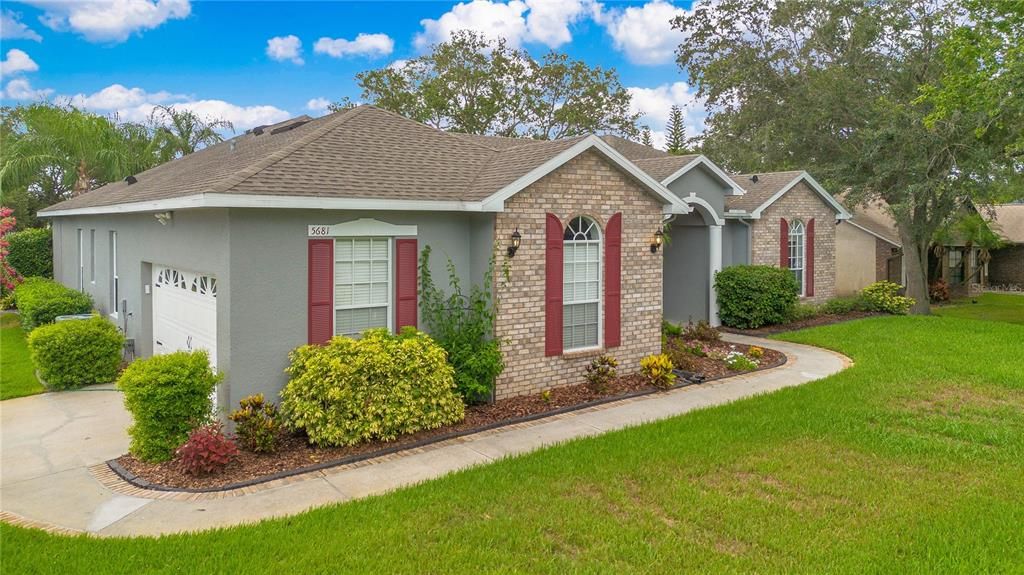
(766, 186)
(662, 167)
(1008, 221)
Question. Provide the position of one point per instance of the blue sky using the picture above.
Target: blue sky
(257, 62)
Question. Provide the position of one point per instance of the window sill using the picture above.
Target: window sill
(584, 353)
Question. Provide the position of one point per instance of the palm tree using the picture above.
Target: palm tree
(977, 233)
(64, 149)
(181, 132)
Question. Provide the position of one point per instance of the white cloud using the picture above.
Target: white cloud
(398, 64)
(492, 19)
(548, 21)
(21, 89)
(656, 103)
(110, 20)
(643, 33)
(17, 61)
(11, 28)
(282, 48)
(364, 45)
(136, 105)
(318, 104)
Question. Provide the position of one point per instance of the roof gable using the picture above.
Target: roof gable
(764, 190)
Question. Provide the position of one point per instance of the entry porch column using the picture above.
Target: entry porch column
(715, 260)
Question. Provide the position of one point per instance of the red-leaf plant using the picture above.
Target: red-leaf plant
(8, 275)
(207, 450)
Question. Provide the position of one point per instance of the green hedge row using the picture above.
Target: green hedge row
(31, 252)
(753, 296)
(41, 300)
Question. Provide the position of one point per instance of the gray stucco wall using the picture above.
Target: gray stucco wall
(705, 185)
(735, 244)
(269, 279)
(687, 270)
(195, 240)
(259, 259)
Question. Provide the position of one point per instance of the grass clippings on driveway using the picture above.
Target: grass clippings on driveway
(911, 461)
(987, 306)
(17, 375)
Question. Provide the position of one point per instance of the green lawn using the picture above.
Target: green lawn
(912, 461)
(17, 378)
(989, 306)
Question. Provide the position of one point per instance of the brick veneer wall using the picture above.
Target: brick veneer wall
(801, 202)
(586, 185)
(1007, 266)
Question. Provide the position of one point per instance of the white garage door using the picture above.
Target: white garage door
(184, 312)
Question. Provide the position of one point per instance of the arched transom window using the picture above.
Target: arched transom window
(581, 282)
(797, 248)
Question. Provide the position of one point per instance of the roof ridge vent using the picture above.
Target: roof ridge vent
(291, 126)
(753, 178)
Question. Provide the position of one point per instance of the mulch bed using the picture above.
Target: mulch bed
(295, 455)
(825, 319)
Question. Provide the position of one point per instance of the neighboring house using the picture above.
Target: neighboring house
(296, 232)
(868, 250)
(1006, 268)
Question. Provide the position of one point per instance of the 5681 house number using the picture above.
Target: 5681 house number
(319, 231)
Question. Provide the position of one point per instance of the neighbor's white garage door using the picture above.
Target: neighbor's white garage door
(184, 312)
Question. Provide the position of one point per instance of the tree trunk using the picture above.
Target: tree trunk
(915, 257)
(82, 181)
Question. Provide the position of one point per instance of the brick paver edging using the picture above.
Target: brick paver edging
(115, 477)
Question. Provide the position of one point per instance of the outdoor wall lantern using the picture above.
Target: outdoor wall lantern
(517, 238)
(659, 238)
(164, 217)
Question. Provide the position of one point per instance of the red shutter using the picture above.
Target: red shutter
(553, 286)
(406, 256)
(783, 243)
(613, 282)
(809, 259)
(321, 290)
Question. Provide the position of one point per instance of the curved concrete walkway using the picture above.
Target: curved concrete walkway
(52, 448)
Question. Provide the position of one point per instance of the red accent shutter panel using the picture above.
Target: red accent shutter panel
(321, 290)
(553, 286)
(407, 254)
(613, 282)
(809, 257)
(783, 243)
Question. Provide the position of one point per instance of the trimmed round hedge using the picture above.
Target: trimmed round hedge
(753, 296)
(31, 252)
(70, 354)
(168, 396)
(380, 386)
(41, 300)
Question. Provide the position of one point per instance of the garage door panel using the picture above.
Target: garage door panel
(184, 311)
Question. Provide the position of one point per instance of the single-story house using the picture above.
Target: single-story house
(1006, 268)
(292, 233)
(868, 250)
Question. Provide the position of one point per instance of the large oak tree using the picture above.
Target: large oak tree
(835, 88)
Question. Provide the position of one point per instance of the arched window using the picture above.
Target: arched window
(797, 247)
(581, 281)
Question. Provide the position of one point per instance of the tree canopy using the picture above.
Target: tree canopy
(835, 88)
(474, 85)
(675, 132)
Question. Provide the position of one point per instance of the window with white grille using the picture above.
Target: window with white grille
(796, 252)
(362, 285)
(581, 284)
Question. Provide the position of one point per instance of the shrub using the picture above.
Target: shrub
(755, 352)
(802, 311)
(679, 354)
(206, 451)
(31, 252)
(167, 395)
(669, 329)
(885, 297)
(40, 301)
(71, 354)
(601, 371)
(257, 424)
(840, 305)
(753, 296)
(701, 331)
(462, 325)
(736, 361)
(938, 291)
(378, 387)
(658, 370)
(7, 300)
